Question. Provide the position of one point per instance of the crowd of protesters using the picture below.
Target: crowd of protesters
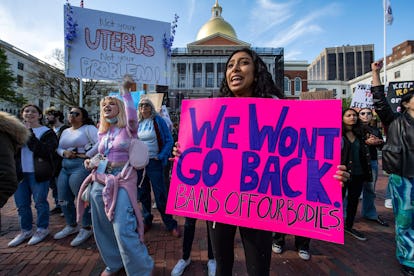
(49, 154)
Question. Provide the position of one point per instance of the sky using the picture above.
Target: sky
(302, 27)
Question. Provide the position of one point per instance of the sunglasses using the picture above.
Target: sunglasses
(144, 105)
(365, 113)
(74, 114)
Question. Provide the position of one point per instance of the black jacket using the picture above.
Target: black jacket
(364, 157)
(400, 131)
(43, 156)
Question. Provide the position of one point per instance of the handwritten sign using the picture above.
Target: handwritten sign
(396, 90)
(108, 46)
(260, 163)
(362, 97)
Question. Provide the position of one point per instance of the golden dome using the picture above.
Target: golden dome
(216, 24)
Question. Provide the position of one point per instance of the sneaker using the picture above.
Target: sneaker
(277, 248)
(82, 236)
(38, 236)
(358, 235)
(211, 267)
(56, 210)
(304, 254)
(180, 267)
(68, 230)
(388, 203)
(21, 237)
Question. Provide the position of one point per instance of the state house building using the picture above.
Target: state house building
(198, 69)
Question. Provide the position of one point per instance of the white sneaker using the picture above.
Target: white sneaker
(82, 236)
(180, 267)
(211, 267)
(68, 230)
(38, 236)
(21, 237)
(388, 203)
(304, 254)
(277, 248)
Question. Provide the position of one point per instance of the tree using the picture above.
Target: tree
(51, 79)
(8, 82)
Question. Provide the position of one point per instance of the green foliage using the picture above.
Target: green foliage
(346, 103)
(7, 82)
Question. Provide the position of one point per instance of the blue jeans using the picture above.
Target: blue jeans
(154, 173)
(23, 198)
(70, 179)
(118, 241)
(368, 209)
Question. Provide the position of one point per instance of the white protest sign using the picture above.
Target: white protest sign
(107, 46)
(362, 97)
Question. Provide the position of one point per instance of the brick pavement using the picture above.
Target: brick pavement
(376, 256)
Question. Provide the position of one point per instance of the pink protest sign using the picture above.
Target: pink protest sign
(260, 163)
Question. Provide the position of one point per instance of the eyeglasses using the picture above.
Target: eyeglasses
(74, 114)
(144, 105)
(365, 113)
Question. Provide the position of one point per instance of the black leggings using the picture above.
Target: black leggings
(257, 249)
(189, 231)
(354, 188)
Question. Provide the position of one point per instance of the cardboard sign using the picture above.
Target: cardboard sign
(396, 90)
(156, 99)
(260, 163)
(362, 97)
(107, 46)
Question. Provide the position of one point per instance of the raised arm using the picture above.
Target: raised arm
(131, 113)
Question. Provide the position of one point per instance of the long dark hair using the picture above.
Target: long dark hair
(86, 120)
(263, 86)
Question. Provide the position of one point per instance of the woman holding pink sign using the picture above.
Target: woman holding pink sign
(246, 75)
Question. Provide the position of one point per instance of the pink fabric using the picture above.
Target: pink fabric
(126, 179)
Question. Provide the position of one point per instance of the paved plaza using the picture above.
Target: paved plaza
(376, 256)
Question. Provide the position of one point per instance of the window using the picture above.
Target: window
(197, 77)
(331, 67)
(298, 85)
(20, 65)
(343, 91)
(181, 75)
(287, 86)
(220, 73)
(20, 80)
(397, 74)
(209, 74)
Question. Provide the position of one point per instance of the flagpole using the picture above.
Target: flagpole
(385, 43)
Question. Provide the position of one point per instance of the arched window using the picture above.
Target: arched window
(287, 86)
(298, 85)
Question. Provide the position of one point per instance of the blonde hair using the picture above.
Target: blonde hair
(122, 120)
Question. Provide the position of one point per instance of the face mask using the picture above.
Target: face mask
(112, 121)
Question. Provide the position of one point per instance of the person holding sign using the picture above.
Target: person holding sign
(116, 217)
(398, 161)
(153, 131)
(246, 75)
(374, 140)
(355, 156)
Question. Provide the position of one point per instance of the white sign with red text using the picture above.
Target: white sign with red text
(107, 46)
